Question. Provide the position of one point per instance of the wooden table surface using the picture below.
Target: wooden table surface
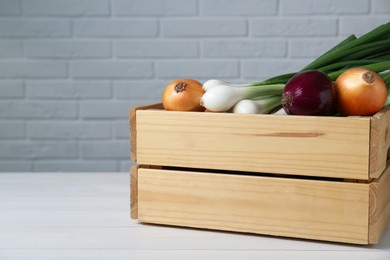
(86, 216)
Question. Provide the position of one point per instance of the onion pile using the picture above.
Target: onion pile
(359, 66)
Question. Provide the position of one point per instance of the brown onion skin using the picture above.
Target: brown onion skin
(183, 95)
(356, 96)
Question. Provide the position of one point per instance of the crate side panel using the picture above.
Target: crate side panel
(133, 135)
(274, 206)
(133, 127)
(380, 142)
(311, 146)
(134, 192)
(379, 214)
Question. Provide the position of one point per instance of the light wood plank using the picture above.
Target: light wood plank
(310, 146)
(65, 218)
(134, 192)
(282, 207)
(154, 237)
(79, 225)
(379, 206)
(133, 130)
(380, 142)
(97, 254)
(70, 202)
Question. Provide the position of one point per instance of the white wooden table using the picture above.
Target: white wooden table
(86, 216)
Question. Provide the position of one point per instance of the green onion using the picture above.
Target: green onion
(348, 63)
(275, 80)
(257, 106)
(221, 98)
(380, 56)
(376, 34)
(338, 46)
(377, 67)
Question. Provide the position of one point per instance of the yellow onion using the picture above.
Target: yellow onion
(360, 92)
(183, 95)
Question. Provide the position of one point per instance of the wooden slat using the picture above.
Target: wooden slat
(134, 192)
(133, 130)
(53, 215)
(188, 254)
(324, 210)
(379, 214)
(301, 145)
(153, 237)
(81, 217)
(380, 142)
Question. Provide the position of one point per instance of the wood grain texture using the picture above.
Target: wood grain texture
(133, 135)
(63, 216)
(188, 254)
(276, 206)
(380, 142)
(300, 145)
(379, 206)
(133, 130)
(134, 192)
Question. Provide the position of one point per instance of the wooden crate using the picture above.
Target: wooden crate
(323, 178)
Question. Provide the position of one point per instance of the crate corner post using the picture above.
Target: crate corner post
(134, 192)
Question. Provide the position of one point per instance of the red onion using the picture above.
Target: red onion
(309, 93)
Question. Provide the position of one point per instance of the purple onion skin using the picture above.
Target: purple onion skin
(309, 93)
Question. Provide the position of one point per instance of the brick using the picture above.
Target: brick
(310, 7)
(156, 49)
(46, 150)
(32, 150)
(11, 130)
(381, 6)
(204, 27)
(105, 150)
(66, 8)
(255, 70)
(68, 89)
(33, 69)
(112, 69)
(115, 28)
(15, 166)
(359, 26)
(67, 49)
(11, 89)
(155, 7)
(9, 7)
(26, 109)
(244, 48)
(15, 150)
(197, 69)
(122, 130)
(293, 27)
(69, 130)
(11, 48)
(75, 166)
(109, 109)
(311, 48)
(139, 89)
(23, 27)
(234, 7)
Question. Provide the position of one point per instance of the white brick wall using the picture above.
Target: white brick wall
(70, 69)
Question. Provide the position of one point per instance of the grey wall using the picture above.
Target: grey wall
(70, 69)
